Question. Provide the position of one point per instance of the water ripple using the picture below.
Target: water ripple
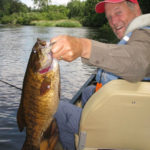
(16, 44)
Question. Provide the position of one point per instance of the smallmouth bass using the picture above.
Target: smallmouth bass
(40, 96)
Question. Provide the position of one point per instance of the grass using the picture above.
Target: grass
(57, 23)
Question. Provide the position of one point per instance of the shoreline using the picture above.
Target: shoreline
(51, 23)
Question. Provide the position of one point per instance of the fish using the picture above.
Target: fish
(40, 96)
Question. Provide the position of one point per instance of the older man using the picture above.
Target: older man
(130, 61)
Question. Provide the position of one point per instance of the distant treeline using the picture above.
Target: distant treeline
(15, 12)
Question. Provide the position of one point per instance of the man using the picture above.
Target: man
(130, 61)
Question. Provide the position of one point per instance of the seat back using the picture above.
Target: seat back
(117, 117)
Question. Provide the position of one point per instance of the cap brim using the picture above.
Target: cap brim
(100, 7)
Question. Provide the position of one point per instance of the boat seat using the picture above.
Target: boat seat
(117, 117)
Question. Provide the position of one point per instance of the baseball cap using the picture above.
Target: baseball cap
(100, 7)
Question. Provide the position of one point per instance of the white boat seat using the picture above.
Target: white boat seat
(117, 117)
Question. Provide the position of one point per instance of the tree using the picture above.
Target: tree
(145, 6)
(55, 12)
(17, 6)
(76, 8)
(8, 7)
(91, 17)
(41, 3)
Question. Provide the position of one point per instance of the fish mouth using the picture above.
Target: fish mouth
(47, 59)
(47, 65)
(44, 70)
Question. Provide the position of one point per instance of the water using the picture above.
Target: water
(15, 47)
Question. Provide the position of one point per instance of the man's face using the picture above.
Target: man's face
(119, 16)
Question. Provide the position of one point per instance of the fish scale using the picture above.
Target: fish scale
(40, 97)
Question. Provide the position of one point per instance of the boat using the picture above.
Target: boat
(116, 117)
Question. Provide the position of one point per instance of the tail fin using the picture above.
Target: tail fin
(51, 136)
(28, 146)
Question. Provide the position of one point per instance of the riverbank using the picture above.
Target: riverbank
(40, 19)
(37, 19)
(57, 23)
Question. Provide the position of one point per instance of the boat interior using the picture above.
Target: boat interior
(117, 117)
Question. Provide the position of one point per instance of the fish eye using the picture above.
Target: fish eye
(34, 51)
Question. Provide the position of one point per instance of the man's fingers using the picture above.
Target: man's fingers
(58, 44)
(56, 47)
(59, 54)
(52, 43)
(57, 38)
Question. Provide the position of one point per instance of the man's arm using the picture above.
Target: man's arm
(131, 61)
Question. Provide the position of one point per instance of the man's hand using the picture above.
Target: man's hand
(69, 48)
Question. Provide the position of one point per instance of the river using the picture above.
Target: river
(16, 43)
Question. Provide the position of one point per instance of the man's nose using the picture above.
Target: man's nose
(114, 20)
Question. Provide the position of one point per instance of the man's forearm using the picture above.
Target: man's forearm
(129, 61)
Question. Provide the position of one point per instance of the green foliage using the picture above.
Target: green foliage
(56, 16)
(91, 17)
(68, 23)
(17, 18)
(23, 20)
(8, 7)
(18, 7)
(6, 20)
(41, 3)
(14, 12)
(56, 12)
(59, 23)
(107, 33)
(76, 9)
(4, 7)
(145, 6)
(85, 12)
(37, 15)
(50, 13)
(43, 23)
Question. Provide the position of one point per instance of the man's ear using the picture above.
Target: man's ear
(138, 11)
